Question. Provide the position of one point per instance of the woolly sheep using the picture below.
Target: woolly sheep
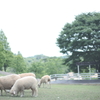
(26, 74)
(28, 82)
(6, 82)
(45, 79)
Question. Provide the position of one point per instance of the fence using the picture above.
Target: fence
(76, 76)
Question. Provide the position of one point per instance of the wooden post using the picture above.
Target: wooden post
(90, 71)
(78, 70)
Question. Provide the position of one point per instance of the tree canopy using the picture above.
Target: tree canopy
(81, 39)
(19, 65)
(49, 65)
(5, 52)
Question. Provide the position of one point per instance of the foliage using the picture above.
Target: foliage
(54, 65)
(50, 65)
(37, 68)
(5, 52)
(81, 39)
(1, 55)
(19, 65)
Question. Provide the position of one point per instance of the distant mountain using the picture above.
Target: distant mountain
(31, 59)
(39, 57)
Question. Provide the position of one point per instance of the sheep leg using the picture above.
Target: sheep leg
(35, 92)
(46, 83)
(22, 93)
(1, 92)
(32, 92)
(49, 85)
(43, 85)
(18, 93)
(5, 91)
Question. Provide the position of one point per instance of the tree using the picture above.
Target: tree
(50, 65)
(19, 65)
(5, 51)
(81, 39)
(1, 55)
(38, 68)
(8, 58)
(53, 65)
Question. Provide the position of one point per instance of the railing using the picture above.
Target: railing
(76, 76)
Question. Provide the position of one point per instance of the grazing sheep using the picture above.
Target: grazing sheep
(26, 74)
(45, 79)
(28, 82)
(6, 82)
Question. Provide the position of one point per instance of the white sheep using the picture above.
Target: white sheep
(28, 82)
(6, 82)
(45, 79)
(26, 74)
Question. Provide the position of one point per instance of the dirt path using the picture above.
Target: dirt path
(5, 73)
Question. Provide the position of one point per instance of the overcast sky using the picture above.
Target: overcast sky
(32, 26)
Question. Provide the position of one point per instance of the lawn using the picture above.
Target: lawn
(61, 92)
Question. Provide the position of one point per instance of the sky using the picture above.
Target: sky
(33, 26)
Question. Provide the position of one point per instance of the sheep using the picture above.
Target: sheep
(45, 79)
(26, 74)
(6, 82)
(28, 82)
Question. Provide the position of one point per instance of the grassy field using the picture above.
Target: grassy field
(61, 92)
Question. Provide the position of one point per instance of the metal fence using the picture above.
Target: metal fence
(76, 76)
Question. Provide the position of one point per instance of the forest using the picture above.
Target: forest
(38, 64)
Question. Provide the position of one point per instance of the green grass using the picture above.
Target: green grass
(61, 92)
(2, 75)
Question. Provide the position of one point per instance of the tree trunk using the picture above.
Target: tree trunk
(5, 67)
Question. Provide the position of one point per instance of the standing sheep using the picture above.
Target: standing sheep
(45, 79)
(26, 74)
(28, 82)
(6, 82)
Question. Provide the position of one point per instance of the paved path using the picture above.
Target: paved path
(76, 82)
(5, 73)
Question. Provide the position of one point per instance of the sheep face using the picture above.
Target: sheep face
(12, 93)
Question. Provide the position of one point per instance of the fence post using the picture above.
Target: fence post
(78, 70)
(90, 71)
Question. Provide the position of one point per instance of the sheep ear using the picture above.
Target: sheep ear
(14, 92)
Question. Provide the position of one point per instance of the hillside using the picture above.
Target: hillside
(30, 60)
